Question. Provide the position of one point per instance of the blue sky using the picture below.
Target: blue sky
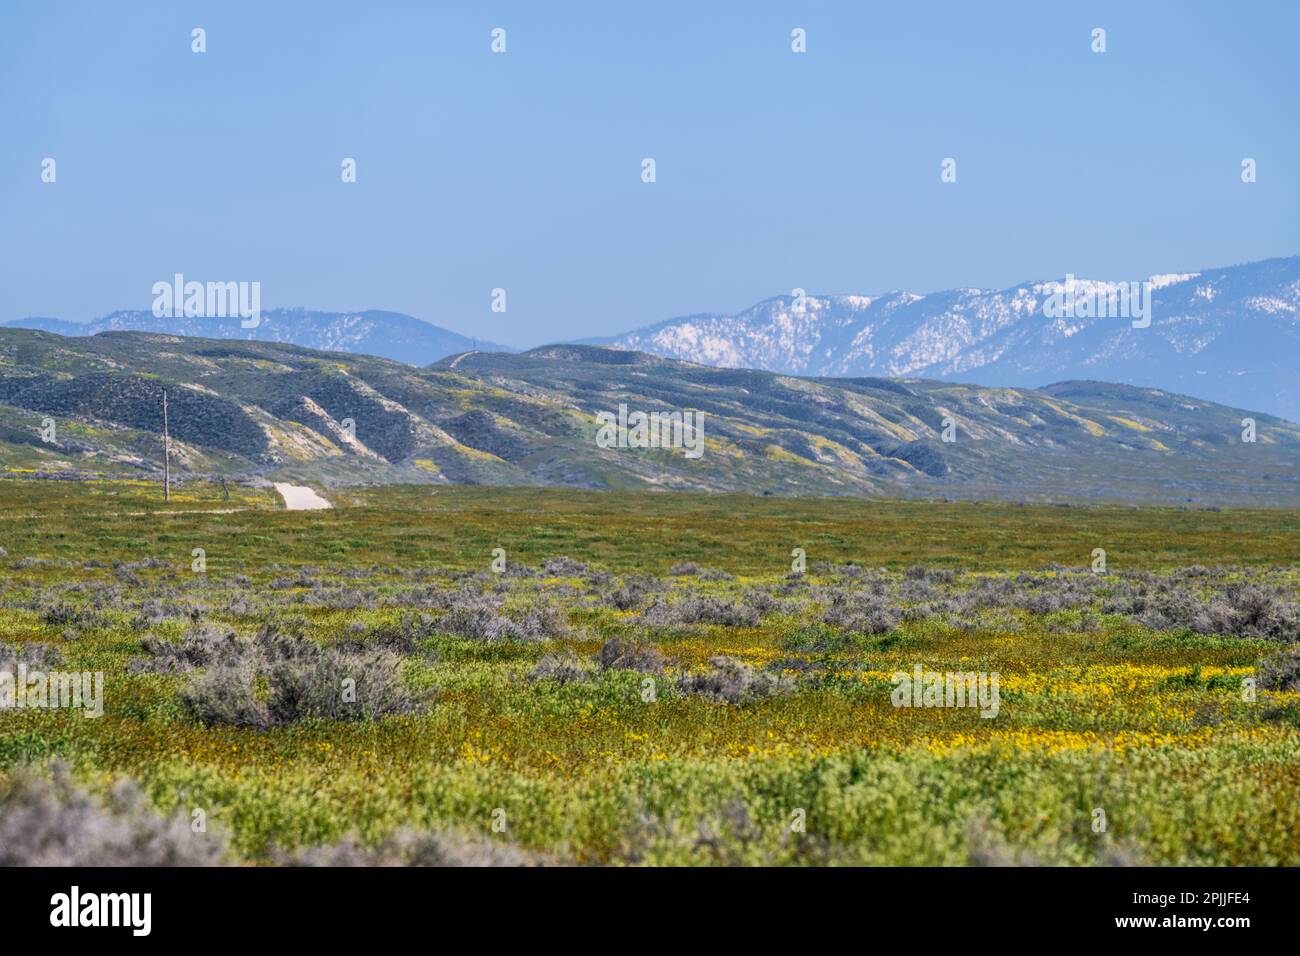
(522, 170)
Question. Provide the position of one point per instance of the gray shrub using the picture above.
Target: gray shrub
(564, 567)
(51, 822)
(620, 654)
(278, 678)
(199, 647)
(564, 668)
(483, 619)
(861, 613)
(1281, 671)
(631, 594)
(700, 609)
(35, 654)
(730, 681)
(415, 848)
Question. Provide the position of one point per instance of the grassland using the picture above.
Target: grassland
(647, 682)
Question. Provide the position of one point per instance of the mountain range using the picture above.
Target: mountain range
(91, 405)
(1229, 335)
(386, 334)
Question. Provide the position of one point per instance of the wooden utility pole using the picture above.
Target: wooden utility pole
(167, 454)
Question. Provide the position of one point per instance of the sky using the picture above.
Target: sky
(523, 170)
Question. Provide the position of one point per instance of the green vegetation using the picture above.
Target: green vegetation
(290, 413)
(647, 682)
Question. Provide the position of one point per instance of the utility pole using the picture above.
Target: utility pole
(167, 454)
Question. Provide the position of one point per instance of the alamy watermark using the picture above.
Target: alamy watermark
(652, 430)
(1100, 300)
(24, 689)
(947, 689)
(75, 908)
(211, 300)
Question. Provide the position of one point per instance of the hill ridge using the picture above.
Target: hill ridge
(270, 410)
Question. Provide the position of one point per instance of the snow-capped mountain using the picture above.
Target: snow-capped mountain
(1231, 335)
(385, 334)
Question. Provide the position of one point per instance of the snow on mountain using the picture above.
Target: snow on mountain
(1231, 335)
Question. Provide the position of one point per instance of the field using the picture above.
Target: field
(647, 680)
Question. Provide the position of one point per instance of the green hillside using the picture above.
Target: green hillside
(263, 410)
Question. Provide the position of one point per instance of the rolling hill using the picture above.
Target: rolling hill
(1230, 335)
(271, 410)
(374, 332)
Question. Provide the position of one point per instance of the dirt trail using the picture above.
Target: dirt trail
(460, 358)
(300, 498)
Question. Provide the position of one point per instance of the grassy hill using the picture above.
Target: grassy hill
(277, 411)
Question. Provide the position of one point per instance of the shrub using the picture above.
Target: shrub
(300, 679)
(563, 668)
(198, 648)
(631, 594)
(1241, 610)
(475, 617)
(564, 567)
(733, 682)
(152, 613)
(35, 654)
(763, 601)
(919, 572)
(1281, 671)
(700, 609)
(51, 822)
(412, 848)
(1255, 613)
(66, 615)
(541, 622)
(226, 694)
(482, 619)
(318, 686)
(863, 614)
(400, 636)
(624, 655)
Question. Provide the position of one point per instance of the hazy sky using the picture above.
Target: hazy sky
(523, 170)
